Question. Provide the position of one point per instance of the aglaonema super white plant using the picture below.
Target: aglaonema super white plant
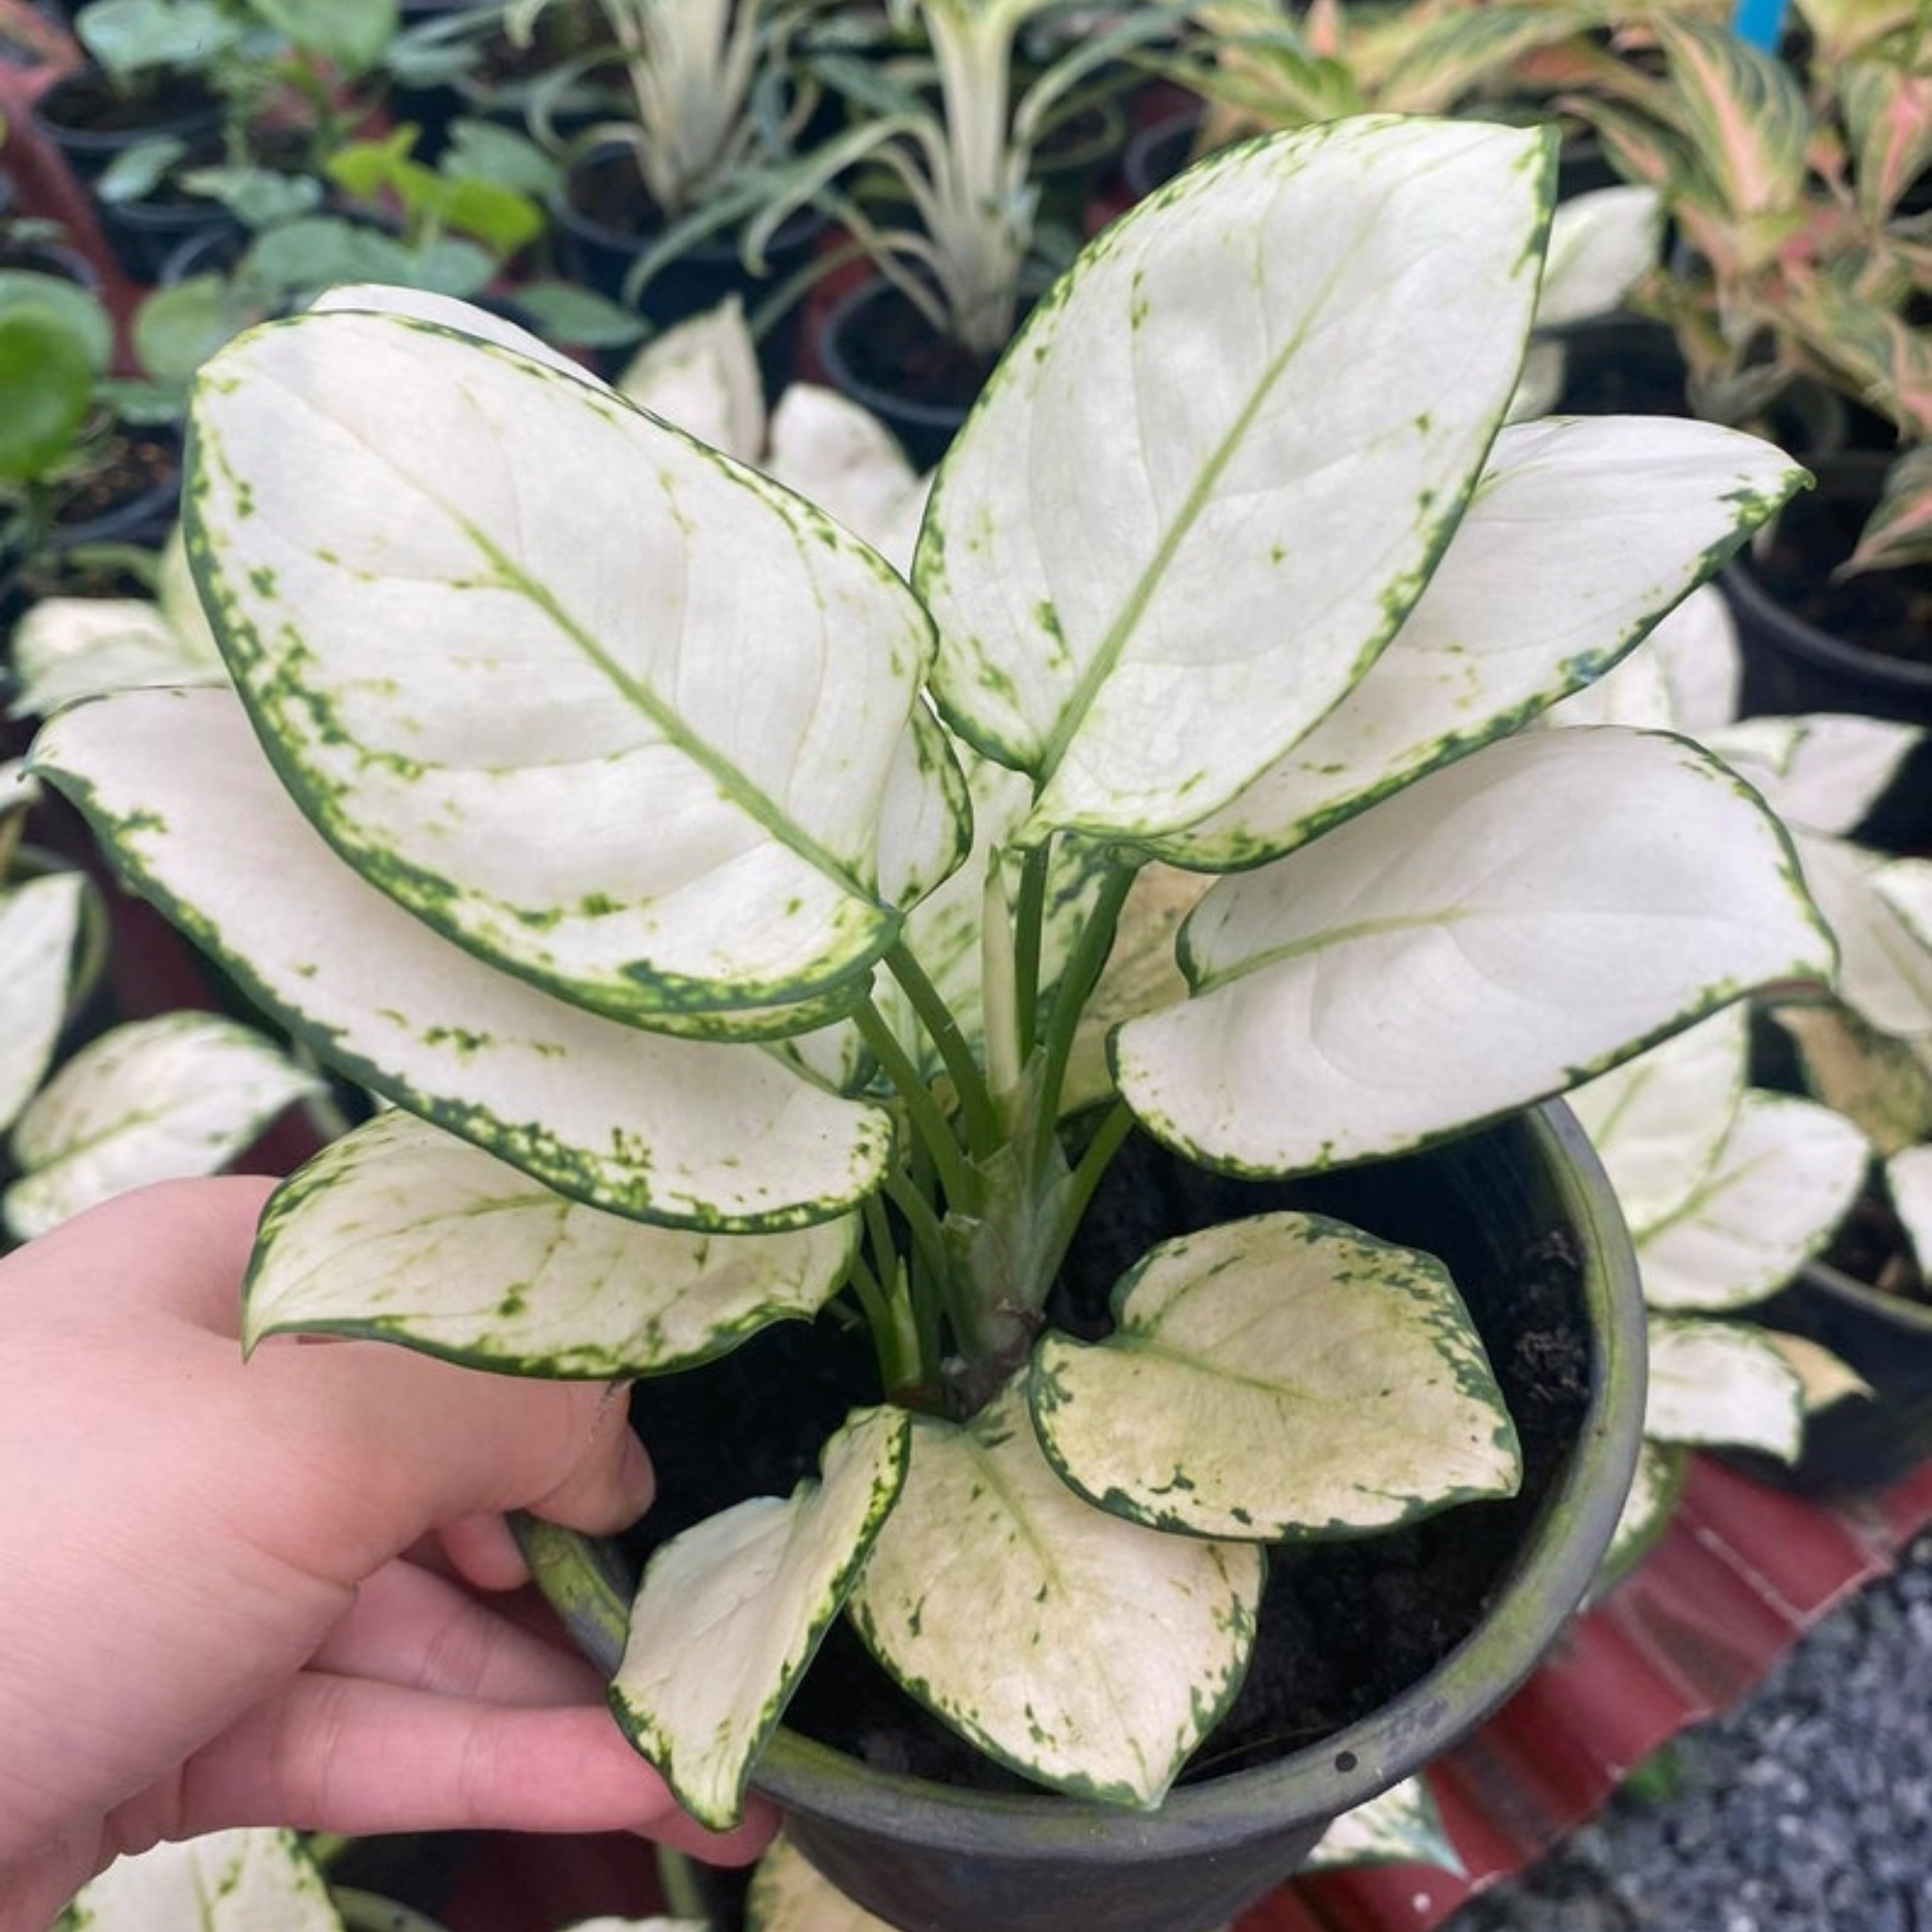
(719, 908)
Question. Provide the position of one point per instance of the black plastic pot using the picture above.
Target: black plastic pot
(1796, 663)
(1861, 1443)
(144, 236)
(89, 125)
(602, 252)
(929, 1858)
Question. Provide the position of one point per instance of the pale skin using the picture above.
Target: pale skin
(269, 1592)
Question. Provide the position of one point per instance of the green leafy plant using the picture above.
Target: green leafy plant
(724, 912)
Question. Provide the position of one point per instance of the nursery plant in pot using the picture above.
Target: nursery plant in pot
(723, 911)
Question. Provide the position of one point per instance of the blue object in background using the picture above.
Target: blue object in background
(1759, 22)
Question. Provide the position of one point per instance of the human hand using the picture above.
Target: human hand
(221, 1601)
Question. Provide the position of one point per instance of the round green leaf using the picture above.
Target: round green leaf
(45, 386)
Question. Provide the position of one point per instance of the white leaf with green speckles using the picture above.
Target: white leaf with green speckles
(1581, 532)
(1824, 772)
(1908, 1178)
(249, 1880)
(1656, 1485)
(732, 1611)
(1401, 1827)
(710, 1135)
(1906, 886)
(1174, 531)
(1722, 1383)
(1824, 1377)
(1684, 676)
(1119, 1646)
(637, 748)
(839, 456)
(1877, 1082)
(1786, 1176)
(401, 1232)
(38, 921)
(1885, 966)
(789, 1893)
(448, 312)
(156, 1099)
(1496, 933)
(72, 647)
(1278, 1377)
(1658, 1121)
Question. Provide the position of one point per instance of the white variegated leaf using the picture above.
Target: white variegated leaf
(1658, 1121)
(702, 374)
(1908, 1178)
(658, 1924)
(1906, 886)
(1207, 1410)
(252, 1880)
(1581, 532)
(1655, 1486)
(1401, 1827)
(1824, 1378)
(789, 1894)
(1877, 1082)
(176, 787)
(1822, 773)
(400, 1232)
(38, 921)
(1174, 532)
(1785, 1177)
(1703, 665)
(156, 1099)
(731, 1612)
(1601, 245)
(1498, 932)
(67, 648)
(1634, 691)
(839, 456)
(442, 311)
(637, 750)
(1722, 1384)
(1121, 1646)
(1885, 966)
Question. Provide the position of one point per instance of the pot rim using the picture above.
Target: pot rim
(1821, 1278)
(1344, 1768)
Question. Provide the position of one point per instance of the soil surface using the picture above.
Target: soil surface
(1344, 1625)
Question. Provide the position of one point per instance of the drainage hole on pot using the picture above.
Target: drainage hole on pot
(1344, 1761)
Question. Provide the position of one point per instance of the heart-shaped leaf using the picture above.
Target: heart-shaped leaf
(731, 1612)
(1877, 1082)
(399, 1232)
(1173, 532)
(1723, 1383)
(38, 921)
(1784, 1178)
(1658, 1121)
(1823, 773)
(1277, 1377)
(154, 1100)
(67, 648)
(244, 1880)
(789, 1894)
(176, 787)
(1465, 948)
(1581, 533)
(1885, 964)
(636, 749)
(1403, 1826)
(1122, 1645)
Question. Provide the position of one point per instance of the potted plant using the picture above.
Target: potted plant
(1792, 297)
(723, 911)
(941, 159)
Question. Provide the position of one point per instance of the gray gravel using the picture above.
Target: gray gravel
(1808, 1806)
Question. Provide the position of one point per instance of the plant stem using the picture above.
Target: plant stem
(955, 1051)
(878, 1313)
(1086, 1176)
(364, 1911)
(678, 1877)
(1029, 924)
(929, 1124)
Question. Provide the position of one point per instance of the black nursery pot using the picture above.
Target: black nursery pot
(606, 225)
(1509, 1208)
(1860, 1443)
(1812, 645)
(89, 124)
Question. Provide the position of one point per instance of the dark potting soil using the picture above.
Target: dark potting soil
(899, 353)
(87, 102)
(1871, 1245)
(1344, 1626)
(1887, 611)
(130, 464)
